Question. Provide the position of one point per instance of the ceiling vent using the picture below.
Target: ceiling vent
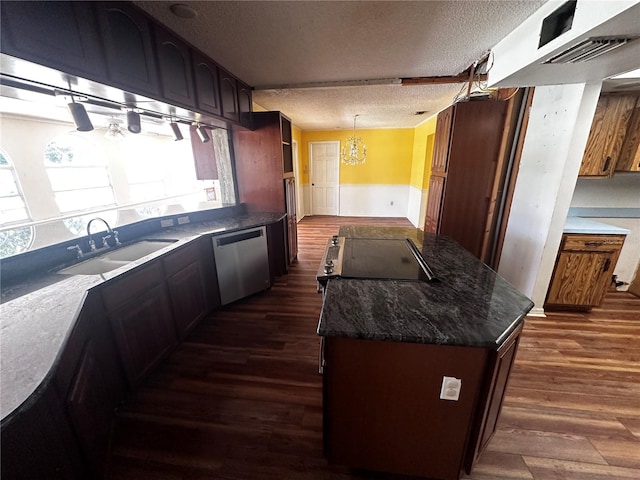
(590, 49)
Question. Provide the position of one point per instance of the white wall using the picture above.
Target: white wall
(559, 124)
(370, 200)
(417, 206)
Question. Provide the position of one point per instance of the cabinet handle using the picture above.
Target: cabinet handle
(592, 244)
(321, 360)
(607, 264)
(607, 162)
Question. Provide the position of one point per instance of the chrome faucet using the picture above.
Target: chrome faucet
(110, 231)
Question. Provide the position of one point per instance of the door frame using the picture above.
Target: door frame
(296, 173)
(337, 142)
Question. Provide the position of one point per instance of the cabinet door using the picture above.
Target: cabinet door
(629, 160)
(60, 35)
(292, 222)
(207, 84)
(581, 278)
(228, 96)
(287, 147)
(434, 204)
(91, 408)
(493, 396)
(608, 130)
(245, 104)
(188, 299)
(174, 61)
(144, 332)
(40, 443)
(442, 139)
(128, 47)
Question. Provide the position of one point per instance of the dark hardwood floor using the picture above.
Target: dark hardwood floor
(241, 398)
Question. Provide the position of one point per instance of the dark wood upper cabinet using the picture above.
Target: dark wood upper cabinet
(62, 35)
(245, 104)
(207, 84)
(126, 34)
(228, 95)
(441, 147)
(174, 61)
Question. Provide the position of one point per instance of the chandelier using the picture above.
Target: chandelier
(114, 131)
(354, 151)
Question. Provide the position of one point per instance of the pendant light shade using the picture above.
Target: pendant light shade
(80, 117)
(133, 122)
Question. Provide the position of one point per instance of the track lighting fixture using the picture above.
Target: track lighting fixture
(133, 121)
(202, 133)
(176, 130)
(80, 116)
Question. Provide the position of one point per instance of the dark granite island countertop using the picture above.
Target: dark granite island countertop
(470, 306)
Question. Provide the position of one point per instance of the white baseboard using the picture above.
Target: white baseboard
(537, 312)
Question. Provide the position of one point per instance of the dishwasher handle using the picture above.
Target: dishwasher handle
(240, 237)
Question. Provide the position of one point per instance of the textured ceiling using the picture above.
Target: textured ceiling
(273, 45)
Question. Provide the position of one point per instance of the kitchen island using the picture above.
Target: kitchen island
(415, 372)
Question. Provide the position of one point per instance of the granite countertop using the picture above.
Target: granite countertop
(471, 306)
(584, 225)
(35, 326)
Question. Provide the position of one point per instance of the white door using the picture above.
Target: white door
(325, 177)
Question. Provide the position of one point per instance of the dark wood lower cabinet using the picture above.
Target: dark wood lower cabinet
(91, 406)
(39, 443)
(144, 332)
(382, 409)
(490, 404)
(126, 326)
(188, 300)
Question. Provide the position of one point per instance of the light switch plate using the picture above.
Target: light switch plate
(450, 389)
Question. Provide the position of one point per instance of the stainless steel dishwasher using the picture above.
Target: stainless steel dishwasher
(242, 263)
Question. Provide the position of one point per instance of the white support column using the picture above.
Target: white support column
(559, 124)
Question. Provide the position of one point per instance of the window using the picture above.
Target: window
(78, 174)
(12, 206)
(13, 210)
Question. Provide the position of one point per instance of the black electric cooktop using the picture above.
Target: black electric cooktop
(392, 259)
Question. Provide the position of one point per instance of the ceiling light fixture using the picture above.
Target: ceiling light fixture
(176, 130)
(354, 151)
(202, 133)
(133, 121)
(80, 116)
(114, 131)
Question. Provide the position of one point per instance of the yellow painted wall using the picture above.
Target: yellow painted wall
(389, 155)
(296, 136)
(422, 153)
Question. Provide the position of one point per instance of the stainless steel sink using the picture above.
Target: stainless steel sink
(113, 259)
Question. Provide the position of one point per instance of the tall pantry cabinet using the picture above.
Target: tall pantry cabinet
(466, 158)
(264, 171)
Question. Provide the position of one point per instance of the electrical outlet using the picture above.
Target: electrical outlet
(450, 388)
(183, 220)
(166, 223)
